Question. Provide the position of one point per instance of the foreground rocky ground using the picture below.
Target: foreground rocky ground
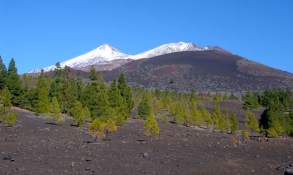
(36, 147)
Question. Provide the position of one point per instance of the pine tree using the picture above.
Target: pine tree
(5, 100)
(179, 112)
(3, 74)
(271, 123)
(234, 123)
(250, 101)
(144, 108)
(252, 122)
(217, 116)
(289, 125)
(69, 93)
(42, 102)
(6, 116)
(95, 76)
(196, 115)
(115, 98)
(13, 83)
(151, 126)
(57, 83)
(125, 91)
(103, 108)
(86, 113)
(117, 103)
(55, 110)
(77, 113)
(58, 70)
(206, 115)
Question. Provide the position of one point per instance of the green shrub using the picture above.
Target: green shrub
(99, 127)
(110, 126)
(206, 115)
(245, 134)
(77, 113)
(144, 108)
(250, 101)
(234, 124)
(151, 126)
(9, 118)
(96, 128)
(55, 111)
(289, 124)
(272, 132)
(252, 122)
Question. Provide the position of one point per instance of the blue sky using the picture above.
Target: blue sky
(39, 33)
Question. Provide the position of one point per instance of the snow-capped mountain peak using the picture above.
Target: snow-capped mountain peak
(168, 48)
(106, 54)
(101, 55)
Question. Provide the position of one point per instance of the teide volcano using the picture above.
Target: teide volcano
(182, 66)
(106, 57)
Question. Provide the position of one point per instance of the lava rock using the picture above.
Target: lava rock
(289, 170)
(145, 155)
(8, 157)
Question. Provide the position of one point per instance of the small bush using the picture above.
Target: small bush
(252, 122)
(9, 118)
(110, 126)
(99, 127)
(245, 135)
(151, 126)
(271, 132)
(234, 124)
(78, 113)
(96, 128)
(55, 110)
(144, 108)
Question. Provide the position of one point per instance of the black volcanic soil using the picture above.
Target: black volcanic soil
(34, 147)
(211, 70)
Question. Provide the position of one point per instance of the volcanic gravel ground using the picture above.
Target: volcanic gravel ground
(36, 147)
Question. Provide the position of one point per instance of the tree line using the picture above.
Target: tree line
(93, 100)
(190, 109)
(277, 118)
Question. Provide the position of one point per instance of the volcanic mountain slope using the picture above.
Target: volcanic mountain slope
(181, 66)
(211, 70)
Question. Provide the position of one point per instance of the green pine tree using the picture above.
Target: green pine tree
(77, 113)
(252, 122)
(95, 76)
(196, 115)
(86, 113)
(42, 92)
(115, 98)
(6, 115)
(144, 107)
(125, 91)
(151, 126)
(250, 101)
(5, 100)
(271, 123)
(55, 110)
(234, 123)
(289, 124)
(3, 74)
(13, 83)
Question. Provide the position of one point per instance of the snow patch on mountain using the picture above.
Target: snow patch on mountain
(168, 48)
